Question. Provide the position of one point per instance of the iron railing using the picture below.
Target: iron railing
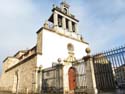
(109, 69)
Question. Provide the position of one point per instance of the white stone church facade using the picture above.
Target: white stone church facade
(57, 40)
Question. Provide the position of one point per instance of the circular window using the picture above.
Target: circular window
(70, 47)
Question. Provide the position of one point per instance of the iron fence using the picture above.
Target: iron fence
(109, 69)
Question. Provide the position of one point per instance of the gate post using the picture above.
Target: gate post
(66, 77)
(38, 80)
(90, 75)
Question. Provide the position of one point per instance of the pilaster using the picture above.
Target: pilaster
(39, 42)
(55, 20)
(64, 23)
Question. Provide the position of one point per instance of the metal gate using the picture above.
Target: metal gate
(81, 81)
(52, 80)
(109, 69)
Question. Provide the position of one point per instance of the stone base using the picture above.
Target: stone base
(71, 92)
(92, 91)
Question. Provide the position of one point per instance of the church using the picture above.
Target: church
(58, 43)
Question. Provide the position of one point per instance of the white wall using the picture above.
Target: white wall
(54, 46)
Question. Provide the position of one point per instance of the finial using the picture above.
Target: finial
(88, 50)
(59, 60)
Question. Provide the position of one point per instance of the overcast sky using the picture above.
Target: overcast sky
(102, 23)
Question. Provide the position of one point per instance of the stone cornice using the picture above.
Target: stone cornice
(52, 30)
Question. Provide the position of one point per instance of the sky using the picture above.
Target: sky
(102, 23)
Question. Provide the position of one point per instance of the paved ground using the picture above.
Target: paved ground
(113, 92)
(118, 91)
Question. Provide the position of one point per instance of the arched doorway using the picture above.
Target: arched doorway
(72, 78)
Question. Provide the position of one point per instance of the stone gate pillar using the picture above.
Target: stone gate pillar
(90, 75)
(66, 77)
(38, 80)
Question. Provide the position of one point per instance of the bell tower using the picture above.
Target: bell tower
(61, 18)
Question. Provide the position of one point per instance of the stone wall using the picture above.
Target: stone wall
(24, 71)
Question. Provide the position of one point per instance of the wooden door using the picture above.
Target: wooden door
(72, 78)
